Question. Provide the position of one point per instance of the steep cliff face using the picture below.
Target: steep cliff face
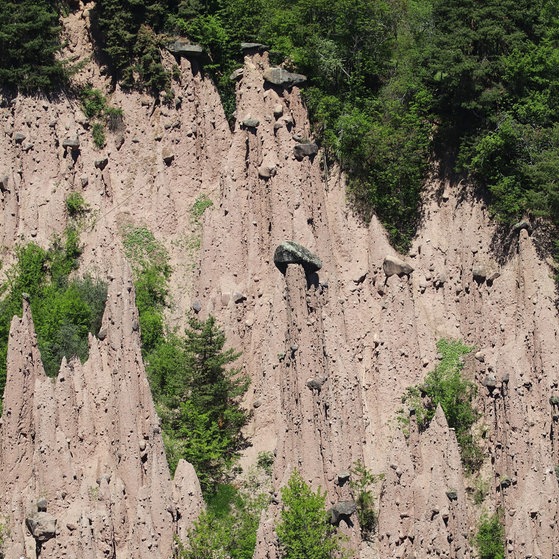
(329, 355)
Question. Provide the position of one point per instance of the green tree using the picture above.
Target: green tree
(490, 537)
(303, 530)
(199, 400)
(29, 42)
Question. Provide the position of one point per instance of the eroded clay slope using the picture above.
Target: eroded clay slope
(82, 455)
(329, 356)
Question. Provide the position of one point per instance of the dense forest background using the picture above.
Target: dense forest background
(394, 85)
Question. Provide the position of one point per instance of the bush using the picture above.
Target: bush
(64, 310)
(362, 481)
(303, 530)
(75, 204)
(228, 528)
(98, 133)
(446, 387)
(490, 537)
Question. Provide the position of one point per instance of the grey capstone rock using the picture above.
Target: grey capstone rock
(316, 383)
(305, 150)
(196, 307)
(183, 48)
(253, 46)
(168, 156)
(394, 266)
(281, 77)
(517, 227)
(42, 505)
(290, 252)
(72, 143)
(250, 123)
(343, 477)
(101, 163)
(235, 75)
(342, 511)
(19, 137)
(452, 495)
(42, 526)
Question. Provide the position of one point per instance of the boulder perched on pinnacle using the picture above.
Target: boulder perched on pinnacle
(283, 78)
(393, 265)
(290, 252)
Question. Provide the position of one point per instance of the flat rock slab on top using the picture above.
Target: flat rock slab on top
(279, 76)
(183, 48)
(290, 252)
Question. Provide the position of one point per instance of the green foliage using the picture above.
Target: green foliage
(303, 530)
(198, 400)
(196, 394)
(64, 310)
(490, 537)
(265, 461)
(227, 530)
(96, 108)
(201, 204)
(362, 482)
(149, 261)
(75, 204)
(446, 387)
(29, 43)
(481, 490)
(93, 102)
(98, 133)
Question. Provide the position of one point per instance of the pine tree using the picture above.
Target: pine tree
(199, 402)
(303, 530)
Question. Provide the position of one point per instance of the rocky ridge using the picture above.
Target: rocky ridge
(329, 355)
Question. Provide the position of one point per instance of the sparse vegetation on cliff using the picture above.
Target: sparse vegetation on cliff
(64, 310)
(303, 530)
(490, 537)
(445, 386)
(196, 393)
(361, 483)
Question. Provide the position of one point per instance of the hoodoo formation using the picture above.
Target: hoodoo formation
(337, 332)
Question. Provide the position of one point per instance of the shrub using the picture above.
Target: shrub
(201, 204)
(303, 530)
(446, 387)
(490, 537)
(362, 481)
(98, 133)
(265, 461)
(75, 204)
(64, 310)
(228, 528)
(93, 102)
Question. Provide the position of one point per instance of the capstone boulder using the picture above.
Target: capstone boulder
(290, 252)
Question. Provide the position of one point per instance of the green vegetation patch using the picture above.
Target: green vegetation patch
(64, 310)
(445, 386)
(303, 530)
(490, 538)
(362, 483)
(228, 527)
(196, 392)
